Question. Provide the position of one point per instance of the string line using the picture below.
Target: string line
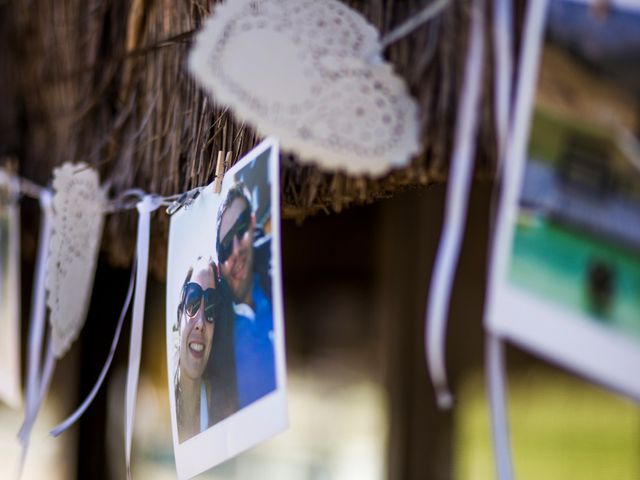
(126, 200)
(413, 22)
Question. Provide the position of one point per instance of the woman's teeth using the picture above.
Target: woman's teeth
(196, 347)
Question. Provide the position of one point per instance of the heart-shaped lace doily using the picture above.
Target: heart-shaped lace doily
(78, 213)
(306, 72)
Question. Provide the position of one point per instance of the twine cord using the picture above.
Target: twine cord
(415, 21)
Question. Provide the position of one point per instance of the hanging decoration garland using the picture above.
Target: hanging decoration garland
(310, 73)
(145, 205)
(68, 247)
(70, 231)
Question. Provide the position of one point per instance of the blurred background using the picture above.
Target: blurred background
(361, 405)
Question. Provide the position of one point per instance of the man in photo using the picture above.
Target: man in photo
(244, 255)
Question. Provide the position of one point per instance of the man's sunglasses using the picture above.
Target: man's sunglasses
(192, 294)
(225, 247)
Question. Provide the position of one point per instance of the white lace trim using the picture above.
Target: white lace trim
(78, 213)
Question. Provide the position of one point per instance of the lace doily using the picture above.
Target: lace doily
(303, 70)
(78, 213)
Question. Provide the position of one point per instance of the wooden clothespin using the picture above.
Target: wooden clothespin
(217, 184)
(222, 164)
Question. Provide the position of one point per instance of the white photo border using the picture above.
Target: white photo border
(595, 352)
(10, 390)
(268, 415)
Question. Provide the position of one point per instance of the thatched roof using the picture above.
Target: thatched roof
(105, 82)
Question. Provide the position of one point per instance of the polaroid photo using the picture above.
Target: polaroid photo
(9, 293)
(565, 274)
(225, 324)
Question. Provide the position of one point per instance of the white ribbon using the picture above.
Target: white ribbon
(497, 401)
(456, 209)
(503, 73)
(37, 385)
(75, 416)
(494, 346)
(147, 205)
(39, 395)
(512, 142)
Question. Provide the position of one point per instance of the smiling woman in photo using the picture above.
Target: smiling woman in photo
(204, 389)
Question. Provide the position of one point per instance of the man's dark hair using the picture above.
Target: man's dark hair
(239, 190)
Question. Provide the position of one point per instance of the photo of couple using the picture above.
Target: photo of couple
(223, 325)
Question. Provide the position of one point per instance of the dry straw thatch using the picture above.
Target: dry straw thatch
(105, 82)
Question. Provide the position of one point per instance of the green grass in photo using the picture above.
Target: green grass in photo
(553, 262)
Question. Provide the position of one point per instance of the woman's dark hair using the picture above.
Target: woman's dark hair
(219, 376)
(221, 367)
(176, 326)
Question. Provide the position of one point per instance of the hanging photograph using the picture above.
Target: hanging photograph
(225, 340)
(566, 273)
(9, 293)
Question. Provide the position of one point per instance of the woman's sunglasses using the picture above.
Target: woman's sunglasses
(192, 294)
(239, 229)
